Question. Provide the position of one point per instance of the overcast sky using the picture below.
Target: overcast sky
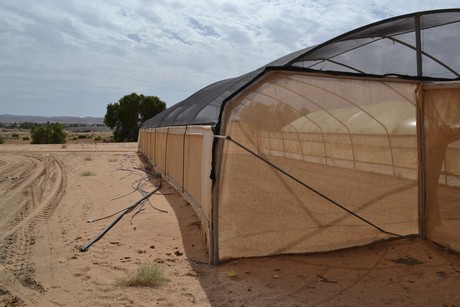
(73, 57)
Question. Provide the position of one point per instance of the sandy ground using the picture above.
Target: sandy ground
(49, 192)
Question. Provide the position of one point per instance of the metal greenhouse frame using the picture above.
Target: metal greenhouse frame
(346, 143)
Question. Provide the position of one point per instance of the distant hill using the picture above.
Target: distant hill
(7, 119)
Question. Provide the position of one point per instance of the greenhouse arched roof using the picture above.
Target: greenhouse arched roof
(421, 46)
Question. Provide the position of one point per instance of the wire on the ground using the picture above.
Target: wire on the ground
(137, 186)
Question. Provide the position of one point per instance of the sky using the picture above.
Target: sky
(74, 57)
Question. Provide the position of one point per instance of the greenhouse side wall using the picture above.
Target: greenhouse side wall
(353, 141)
(183, 156)
(442, 148)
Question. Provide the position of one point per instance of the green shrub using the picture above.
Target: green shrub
(25, 138)
(1, 140)
(14, 135)
(48, 134)
(82, 136)
(147, 275)
(98, 138)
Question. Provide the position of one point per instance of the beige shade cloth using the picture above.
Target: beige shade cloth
(183, 156)
(442, 147)
(353, 140)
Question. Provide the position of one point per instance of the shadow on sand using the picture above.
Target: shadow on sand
(397, 272)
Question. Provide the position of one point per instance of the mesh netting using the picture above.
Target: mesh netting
(442, 145)
(352, 140)
(388, 47)
(183, 156)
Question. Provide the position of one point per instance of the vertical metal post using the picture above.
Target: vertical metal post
(217, 156)
(166, 152)
(155, 149)
(420, 129)
(418, 45)
(183, 160)
(422, 160)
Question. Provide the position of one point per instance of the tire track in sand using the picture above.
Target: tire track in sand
(40, 195)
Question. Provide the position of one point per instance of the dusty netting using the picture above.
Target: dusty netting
(442, 146)
(343, 137)
(183, 155)
(347, 118)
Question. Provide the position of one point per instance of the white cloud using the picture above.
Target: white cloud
(74, 57)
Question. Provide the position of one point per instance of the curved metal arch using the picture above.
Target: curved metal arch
(355, 35)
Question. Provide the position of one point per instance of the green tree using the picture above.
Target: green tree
(48, 134)
(27, 125)
(127, 115)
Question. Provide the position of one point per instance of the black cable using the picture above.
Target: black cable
(305, 185)
(124, 195)
(103, 218)
(85, 247)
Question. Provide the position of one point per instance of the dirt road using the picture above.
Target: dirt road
(48, 194)
(32, 187)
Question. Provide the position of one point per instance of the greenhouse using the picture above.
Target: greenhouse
(343, 144)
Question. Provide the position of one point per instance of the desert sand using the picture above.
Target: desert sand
(48, 193)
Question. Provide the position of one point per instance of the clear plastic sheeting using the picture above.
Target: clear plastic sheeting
(442, 147)
(353, 140)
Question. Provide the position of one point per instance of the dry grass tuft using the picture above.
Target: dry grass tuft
(147, 275)
(87, 173)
